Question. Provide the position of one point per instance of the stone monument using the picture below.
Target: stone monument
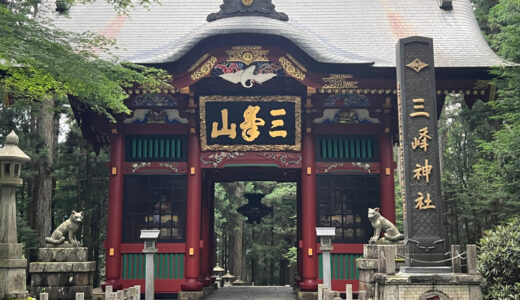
(12, 263)
(62, 269)
(426, 274)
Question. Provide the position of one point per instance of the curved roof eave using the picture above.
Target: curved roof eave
(311, 44)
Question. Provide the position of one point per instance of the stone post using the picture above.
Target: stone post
(348, 292)
(455, 259)
(321, 288)
(471, 254)
(12, 265)
(326, 268)
(149, 237)
(149, 291)
(386, 259)
(108, 291)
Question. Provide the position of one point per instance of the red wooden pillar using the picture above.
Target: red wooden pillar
(309, 256)
(193, 185)
(386, 161)
(212, 240)
(204, 259)
(115, 213)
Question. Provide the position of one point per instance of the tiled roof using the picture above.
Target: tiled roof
(330, 31)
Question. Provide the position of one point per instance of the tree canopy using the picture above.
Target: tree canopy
(37, 59)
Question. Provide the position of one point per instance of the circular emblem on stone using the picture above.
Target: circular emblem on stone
(247, 2)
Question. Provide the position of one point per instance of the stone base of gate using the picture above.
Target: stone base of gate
(207, 290)
(307, 295)
(199, 295)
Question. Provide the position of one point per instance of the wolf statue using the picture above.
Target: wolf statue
(67, 229)
(392, 234)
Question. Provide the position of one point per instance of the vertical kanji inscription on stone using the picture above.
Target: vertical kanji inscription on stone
(419, 152)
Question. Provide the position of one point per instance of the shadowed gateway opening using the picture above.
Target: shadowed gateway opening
(262, 253)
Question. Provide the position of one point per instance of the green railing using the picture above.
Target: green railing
(343, 266)
(166, 266)
(155, 148)
(346, 148)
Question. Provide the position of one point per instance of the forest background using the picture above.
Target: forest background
(481, 156)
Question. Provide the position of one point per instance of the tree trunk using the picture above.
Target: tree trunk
(236, 245)
(42, 183)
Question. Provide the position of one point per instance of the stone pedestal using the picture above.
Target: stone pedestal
(406, 286)
(197, 295)
(368, 266)
(62, 271)
(302, 295)
(378, 281)
(12, 272)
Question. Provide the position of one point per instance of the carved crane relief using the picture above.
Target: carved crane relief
(247, 77)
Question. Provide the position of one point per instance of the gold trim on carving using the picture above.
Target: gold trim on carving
(417, 65)
(247, 54)
(198, 62)
(290, 69)
(297, 63)
(297, 134)
(205, 69)
(339, 81)
(247, 2)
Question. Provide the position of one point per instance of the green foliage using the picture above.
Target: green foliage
(481, 177)
(481, 12)
(82, 184)
(498, 261)
(37, 59)
(26, 235)
(461, 129)
(291, 256)
(504, 21)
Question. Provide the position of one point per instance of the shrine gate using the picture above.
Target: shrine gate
(305, 92)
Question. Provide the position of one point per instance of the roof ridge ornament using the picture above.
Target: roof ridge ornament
(445, 4)
(234, 8)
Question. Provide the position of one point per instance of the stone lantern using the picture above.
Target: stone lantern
(227, 279)
(218, 271)
(326, 234)
(12, 265)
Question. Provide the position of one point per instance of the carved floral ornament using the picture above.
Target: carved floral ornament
(247, 54)
(340, 81)
(216, 158)
(289, 67)
(204, 69)
(173, 167)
